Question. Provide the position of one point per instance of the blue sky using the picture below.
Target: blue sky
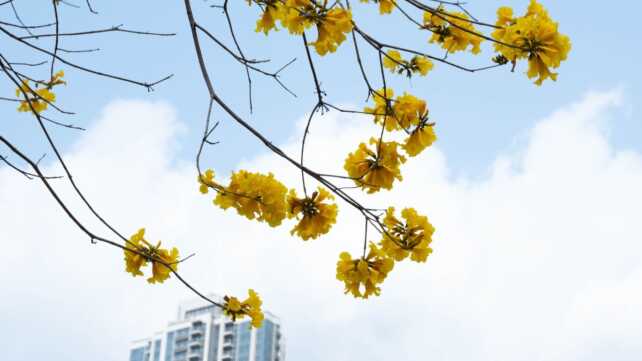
(534, 192)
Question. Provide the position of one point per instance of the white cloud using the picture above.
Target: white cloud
(537, 261)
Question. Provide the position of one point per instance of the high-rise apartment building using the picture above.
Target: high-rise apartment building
(203, 333)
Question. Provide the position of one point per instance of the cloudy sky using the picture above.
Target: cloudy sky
(534, 193)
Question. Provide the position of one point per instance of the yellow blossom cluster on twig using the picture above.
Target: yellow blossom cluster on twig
(400, 239)
(377, 167)
(139, 252)
(250, 307)
(264, 198)
(533, 36)
(394, 62)
(38, 97)
(332, 22)
(453, 31)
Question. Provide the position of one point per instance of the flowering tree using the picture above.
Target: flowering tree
(530, 37)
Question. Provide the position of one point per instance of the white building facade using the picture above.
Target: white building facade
(203, 333)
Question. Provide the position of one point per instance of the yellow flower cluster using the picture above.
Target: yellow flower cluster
(262, 197)
(255, 196)
(375, 169)
(533, 36)
(417, 64)
(412, 237)
(397, 114)
(250, 307)
(420, 138)
(453, 30)
(362, 276)
(41, 96)
(385, 6)
(408, 110)
(332, 22)
(318, 216)
(206, 181)
(163, 261)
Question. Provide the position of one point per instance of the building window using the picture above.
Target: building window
(137, 354)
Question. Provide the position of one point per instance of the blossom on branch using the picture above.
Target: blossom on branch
(363, 276)
(375, 169)
(409, 237)
(417, 64)
(40, 95)
(138, 252)
(452, 30)
(317, 215)
(250, 307)
(255, 196)
(534, 37)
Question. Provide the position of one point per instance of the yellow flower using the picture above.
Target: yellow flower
(39, 98)
(206, 180)
(408, 110)
(452, 30)
(318, 217)
(393, 60)
(332, 23)
(373, 170)
(134, 261)
(421, 138)
(160, 272)
(233, 305)
(250, 307)
(396, 64)
(332, 29)
(294, 15)
(363, 276)
(412, 237)
(385, 6)
(534, 37)
(421, 64)
(504, 16)
(163, 261)
(273, 10)
(255, 196)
